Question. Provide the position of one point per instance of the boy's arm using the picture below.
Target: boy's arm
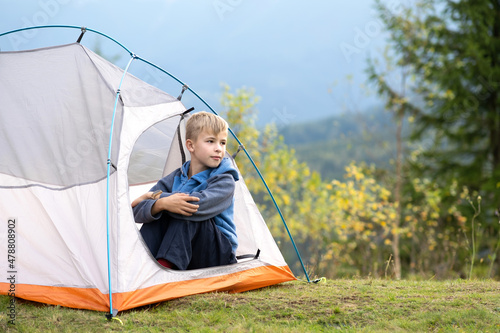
(213, 200)
(142, 209)
(179, 203)
(150, 209)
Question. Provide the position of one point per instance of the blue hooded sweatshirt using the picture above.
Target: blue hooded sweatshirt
(215, 189)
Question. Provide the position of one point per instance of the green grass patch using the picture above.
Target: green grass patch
(359, 305)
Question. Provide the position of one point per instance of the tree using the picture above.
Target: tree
(396, 104)
(451, 49)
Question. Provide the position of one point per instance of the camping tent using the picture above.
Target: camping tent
(78, 135)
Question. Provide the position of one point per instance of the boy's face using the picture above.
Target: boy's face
(207, 150)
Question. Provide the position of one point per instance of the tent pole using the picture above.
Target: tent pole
(71, 27)
(112, 312)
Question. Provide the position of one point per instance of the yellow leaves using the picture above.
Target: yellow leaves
(306, 172)
(343, 203)
(449, 94)
(432, 223)
(357, 174)
(328, 255)
(286, 199)
(465, 193)
(399, 101)
(384, 194)
(358, 226)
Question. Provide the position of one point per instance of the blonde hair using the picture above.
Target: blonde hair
(204, 121)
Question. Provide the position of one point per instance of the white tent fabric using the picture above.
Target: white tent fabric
(56, 108)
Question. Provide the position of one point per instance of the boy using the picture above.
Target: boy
(190, 224)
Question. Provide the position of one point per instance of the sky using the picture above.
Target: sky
(305, 60)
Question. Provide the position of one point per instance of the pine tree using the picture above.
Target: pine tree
(451, 49)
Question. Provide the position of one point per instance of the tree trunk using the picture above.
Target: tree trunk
(397, 194)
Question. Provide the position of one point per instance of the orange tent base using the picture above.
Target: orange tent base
(93, 299)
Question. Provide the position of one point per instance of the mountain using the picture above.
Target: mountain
(330, 144)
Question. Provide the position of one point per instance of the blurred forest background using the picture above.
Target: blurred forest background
(409, 190)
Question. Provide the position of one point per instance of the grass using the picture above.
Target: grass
(357, 305)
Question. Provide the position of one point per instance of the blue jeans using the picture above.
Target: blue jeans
(186, 244)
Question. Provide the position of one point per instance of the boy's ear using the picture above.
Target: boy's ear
(189, 145)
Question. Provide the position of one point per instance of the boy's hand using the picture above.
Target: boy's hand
(143, 197)
(178, 203)
(148, 195)
(156, 194)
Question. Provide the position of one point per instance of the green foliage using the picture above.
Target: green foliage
(240, 113)
(447, 53)
(450, 49)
